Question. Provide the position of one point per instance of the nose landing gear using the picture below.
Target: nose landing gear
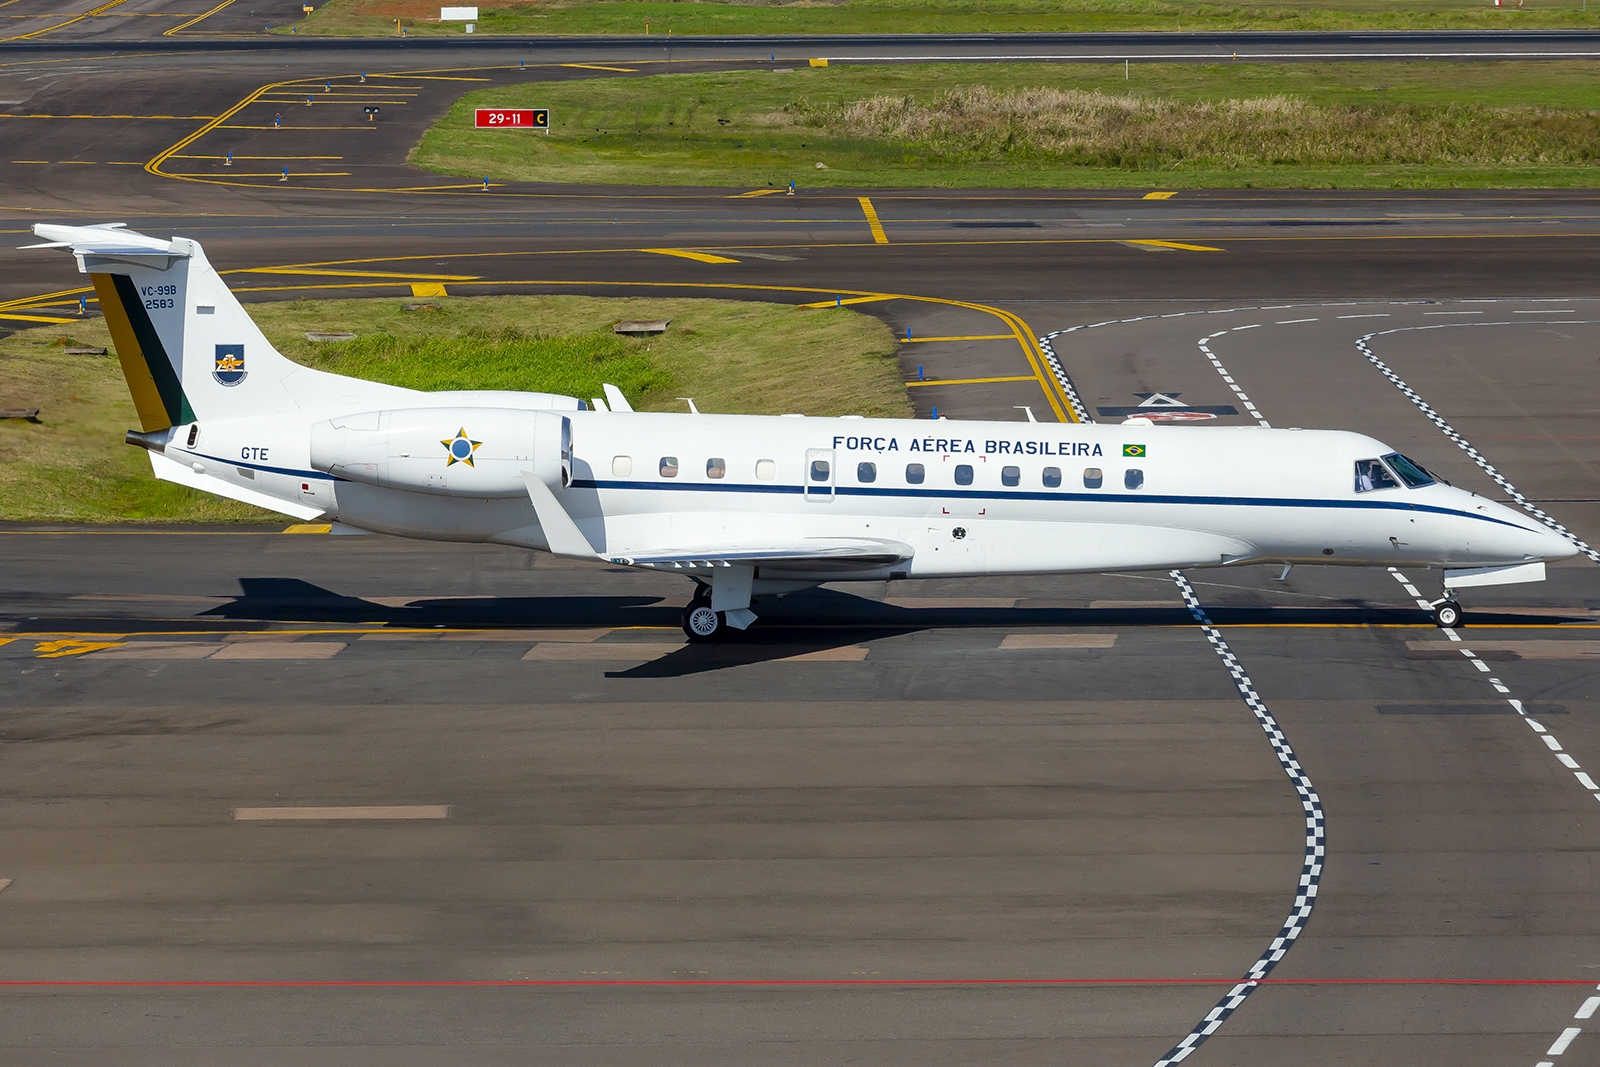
(1447, 613)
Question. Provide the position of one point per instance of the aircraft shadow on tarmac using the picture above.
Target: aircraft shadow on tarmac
(813, 622)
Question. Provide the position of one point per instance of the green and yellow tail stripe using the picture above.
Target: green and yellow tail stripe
(157, 392)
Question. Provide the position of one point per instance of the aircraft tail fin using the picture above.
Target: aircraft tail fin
(188, 349)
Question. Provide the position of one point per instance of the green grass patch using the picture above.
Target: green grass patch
(731, 356)
(1062, 125)
(680, 18)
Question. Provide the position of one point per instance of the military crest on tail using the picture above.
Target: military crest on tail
(228, 366)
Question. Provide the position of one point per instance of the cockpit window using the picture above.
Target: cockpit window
(1372, 474)
(1410, 471)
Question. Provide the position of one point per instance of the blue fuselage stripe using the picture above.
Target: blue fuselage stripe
(1028, 494)
(290, 471)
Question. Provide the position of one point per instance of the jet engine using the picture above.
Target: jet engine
(472, 452)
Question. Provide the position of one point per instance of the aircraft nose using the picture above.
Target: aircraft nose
(1553, 545)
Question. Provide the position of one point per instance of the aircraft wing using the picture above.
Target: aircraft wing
(810, 554)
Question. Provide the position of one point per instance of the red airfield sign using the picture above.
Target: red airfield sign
(512, 118)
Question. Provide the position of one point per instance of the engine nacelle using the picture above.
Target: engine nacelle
(474, 452)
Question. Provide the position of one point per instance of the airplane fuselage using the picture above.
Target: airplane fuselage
(968, 498)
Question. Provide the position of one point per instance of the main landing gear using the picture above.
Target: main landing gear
(700, 623)
(1447, 613)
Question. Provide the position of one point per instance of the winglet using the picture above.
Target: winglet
(615, 398)
(562, 534)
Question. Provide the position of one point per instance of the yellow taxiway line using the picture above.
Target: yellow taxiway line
(683, 253)
(878, 236)
(975, 381)
(967, 337)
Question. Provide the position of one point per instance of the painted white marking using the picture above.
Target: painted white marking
(1205, 347)
(1551, 743)
(1549, 311)
(1365, 348)
(1588, 783)
(1316, 840)
(1587, 1011)
(1563, 1041)
(1567, 761)
(1482, 666)
(1291, 322)
(1378, 315)
(308, 814)
(1452, 313)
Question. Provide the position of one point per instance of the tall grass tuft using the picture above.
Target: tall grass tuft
(508, 358)
(1096, 129)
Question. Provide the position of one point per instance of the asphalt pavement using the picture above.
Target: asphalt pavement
(995, 820)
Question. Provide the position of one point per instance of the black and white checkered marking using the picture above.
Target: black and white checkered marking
(1316, 835)
(1462, 443)
(1244, 398)
(1078, 410)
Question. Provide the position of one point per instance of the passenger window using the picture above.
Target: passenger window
(1052, 477)
(820, 469)
(915, 473)
(766, 469)
(194, 434)
(1133, 478)
(1093, 477)
(621, 466)
(866, 472)
(1372, 474)
(716, 468)
(669, 466)
(963, 474)
(1010, 475)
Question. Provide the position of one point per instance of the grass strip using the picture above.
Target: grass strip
(776, 17)
(731, 356)
(1414, 125)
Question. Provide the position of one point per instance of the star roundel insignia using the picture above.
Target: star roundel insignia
(459, 449)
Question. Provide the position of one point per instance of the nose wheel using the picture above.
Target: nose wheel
(1447, 613)
(700, 623)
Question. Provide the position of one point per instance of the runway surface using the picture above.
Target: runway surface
(997, 820)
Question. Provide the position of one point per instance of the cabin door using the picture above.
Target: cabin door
(819, 474)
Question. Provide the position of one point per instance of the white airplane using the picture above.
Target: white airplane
(750, 505)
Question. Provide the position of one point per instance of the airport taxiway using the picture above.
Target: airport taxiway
(1012, 820)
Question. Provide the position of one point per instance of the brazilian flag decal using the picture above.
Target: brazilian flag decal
(1136, 451)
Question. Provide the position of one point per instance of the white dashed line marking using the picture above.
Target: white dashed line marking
(1452, 313)
(1205, 347)
(1291, 322)
(1239, 992)
(1316, 837)
(1566, 760)
(1563, 1041)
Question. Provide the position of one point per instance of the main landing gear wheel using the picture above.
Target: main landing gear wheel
(700, 623)
(1447, 613)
